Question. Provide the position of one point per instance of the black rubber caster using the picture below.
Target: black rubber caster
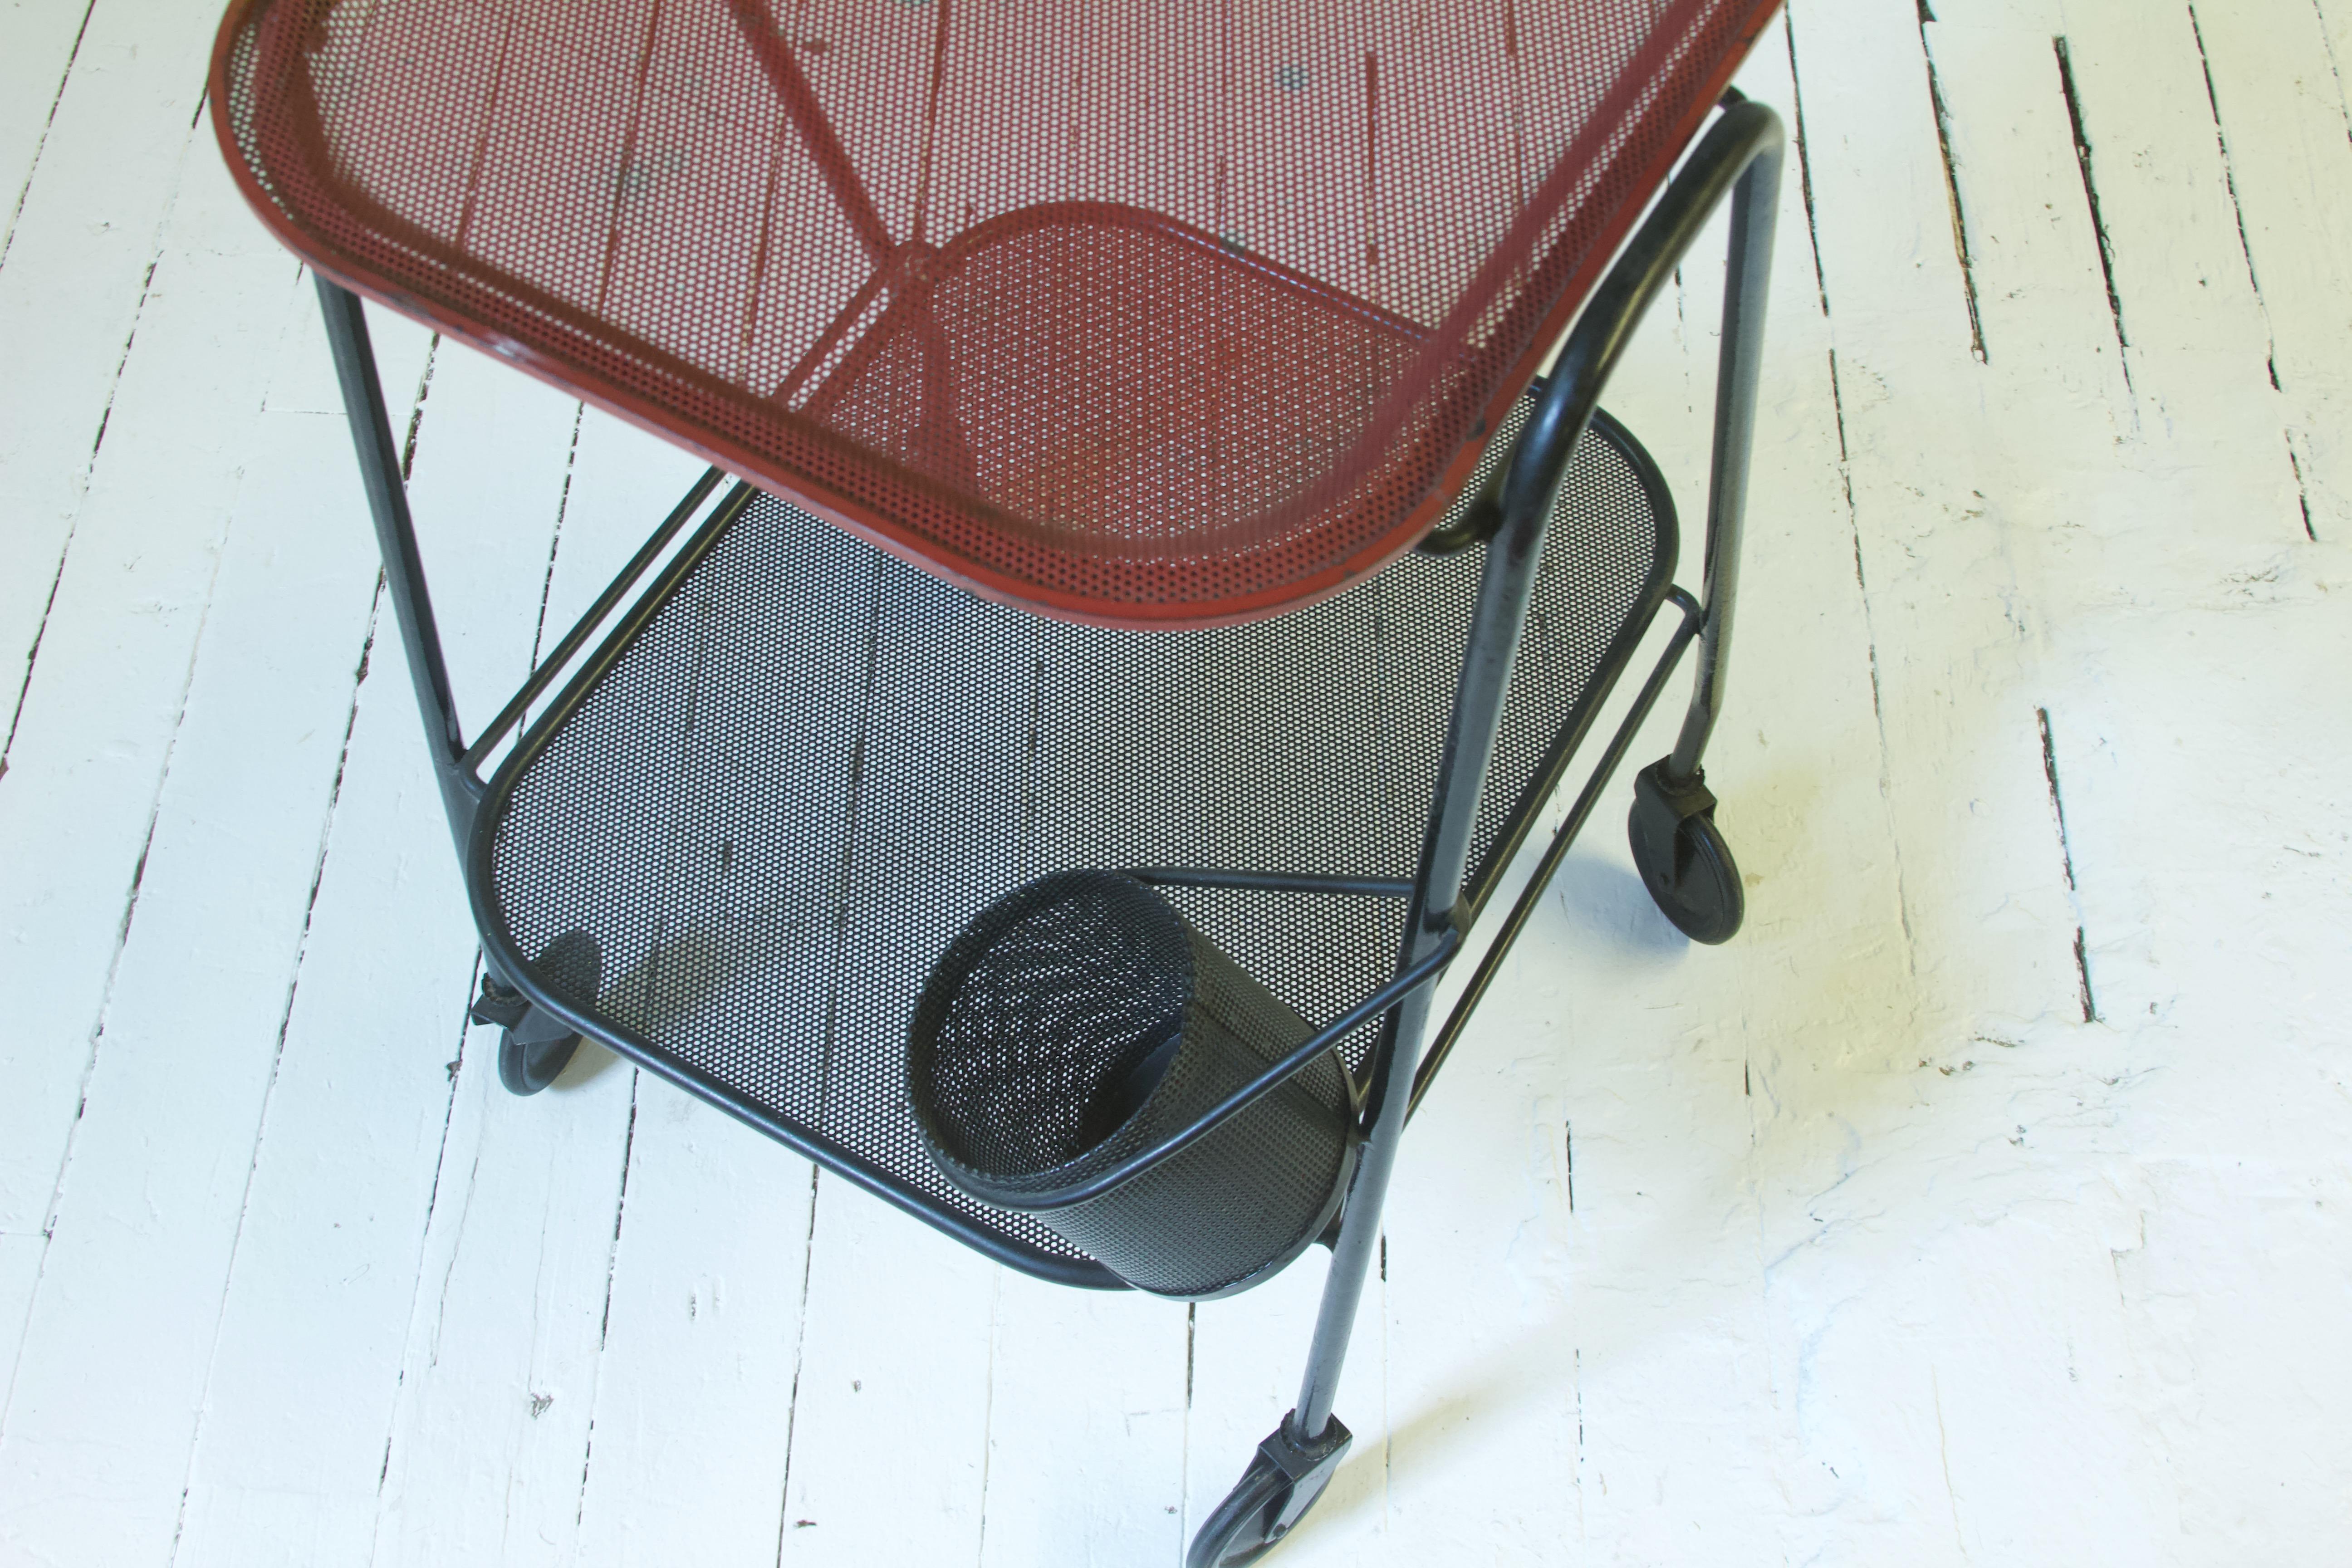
(1682, 859)
(534, 1045)
(1285, 1479)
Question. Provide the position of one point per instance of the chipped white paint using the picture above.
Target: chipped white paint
(1988, 1200)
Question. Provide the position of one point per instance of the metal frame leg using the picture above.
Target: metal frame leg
(1739, 158)
(395, 537)
(1296, 1462)
(1746, 142)
(1682, 856)
(536, 1044)
(1505, 585)
(1755, 211)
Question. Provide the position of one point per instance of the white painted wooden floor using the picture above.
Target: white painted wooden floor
(1990, 1200)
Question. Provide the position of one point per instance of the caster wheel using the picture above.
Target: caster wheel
(1682, 856)
(535, 1046)
(527, 1065)
(1285, 1479)
(1243, 1528)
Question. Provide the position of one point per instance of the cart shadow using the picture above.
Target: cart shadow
(666, 987)
(1422, 1439)
(592, 1061)
(1600, 902)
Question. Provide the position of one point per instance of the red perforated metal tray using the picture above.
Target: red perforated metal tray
(1142, 312)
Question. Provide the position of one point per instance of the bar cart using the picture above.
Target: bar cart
(1157, 598)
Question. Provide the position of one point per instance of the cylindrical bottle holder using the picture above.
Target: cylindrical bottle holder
(1081, 1019)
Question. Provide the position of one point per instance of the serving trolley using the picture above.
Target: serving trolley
(1144, 596)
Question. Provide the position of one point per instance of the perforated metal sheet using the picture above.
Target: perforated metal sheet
(813, 764)
(1138, 311)
(1080, 1020)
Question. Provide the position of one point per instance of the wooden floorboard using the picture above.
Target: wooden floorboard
(2280, 119)
(92, 742)
(38, 42)
(702, 1336)
(77, 274)
(349, 1170)
(1983, 1202)
(116, 1353)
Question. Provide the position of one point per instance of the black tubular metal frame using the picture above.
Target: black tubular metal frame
(1740, 159)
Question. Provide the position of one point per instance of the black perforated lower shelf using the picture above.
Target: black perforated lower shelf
(778, 793)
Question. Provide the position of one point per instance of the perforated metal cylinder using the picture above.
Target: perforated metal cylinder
(1081, 1019)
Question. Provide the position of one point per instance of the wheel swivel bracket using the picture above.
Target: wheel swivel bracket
(1307, 1464)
